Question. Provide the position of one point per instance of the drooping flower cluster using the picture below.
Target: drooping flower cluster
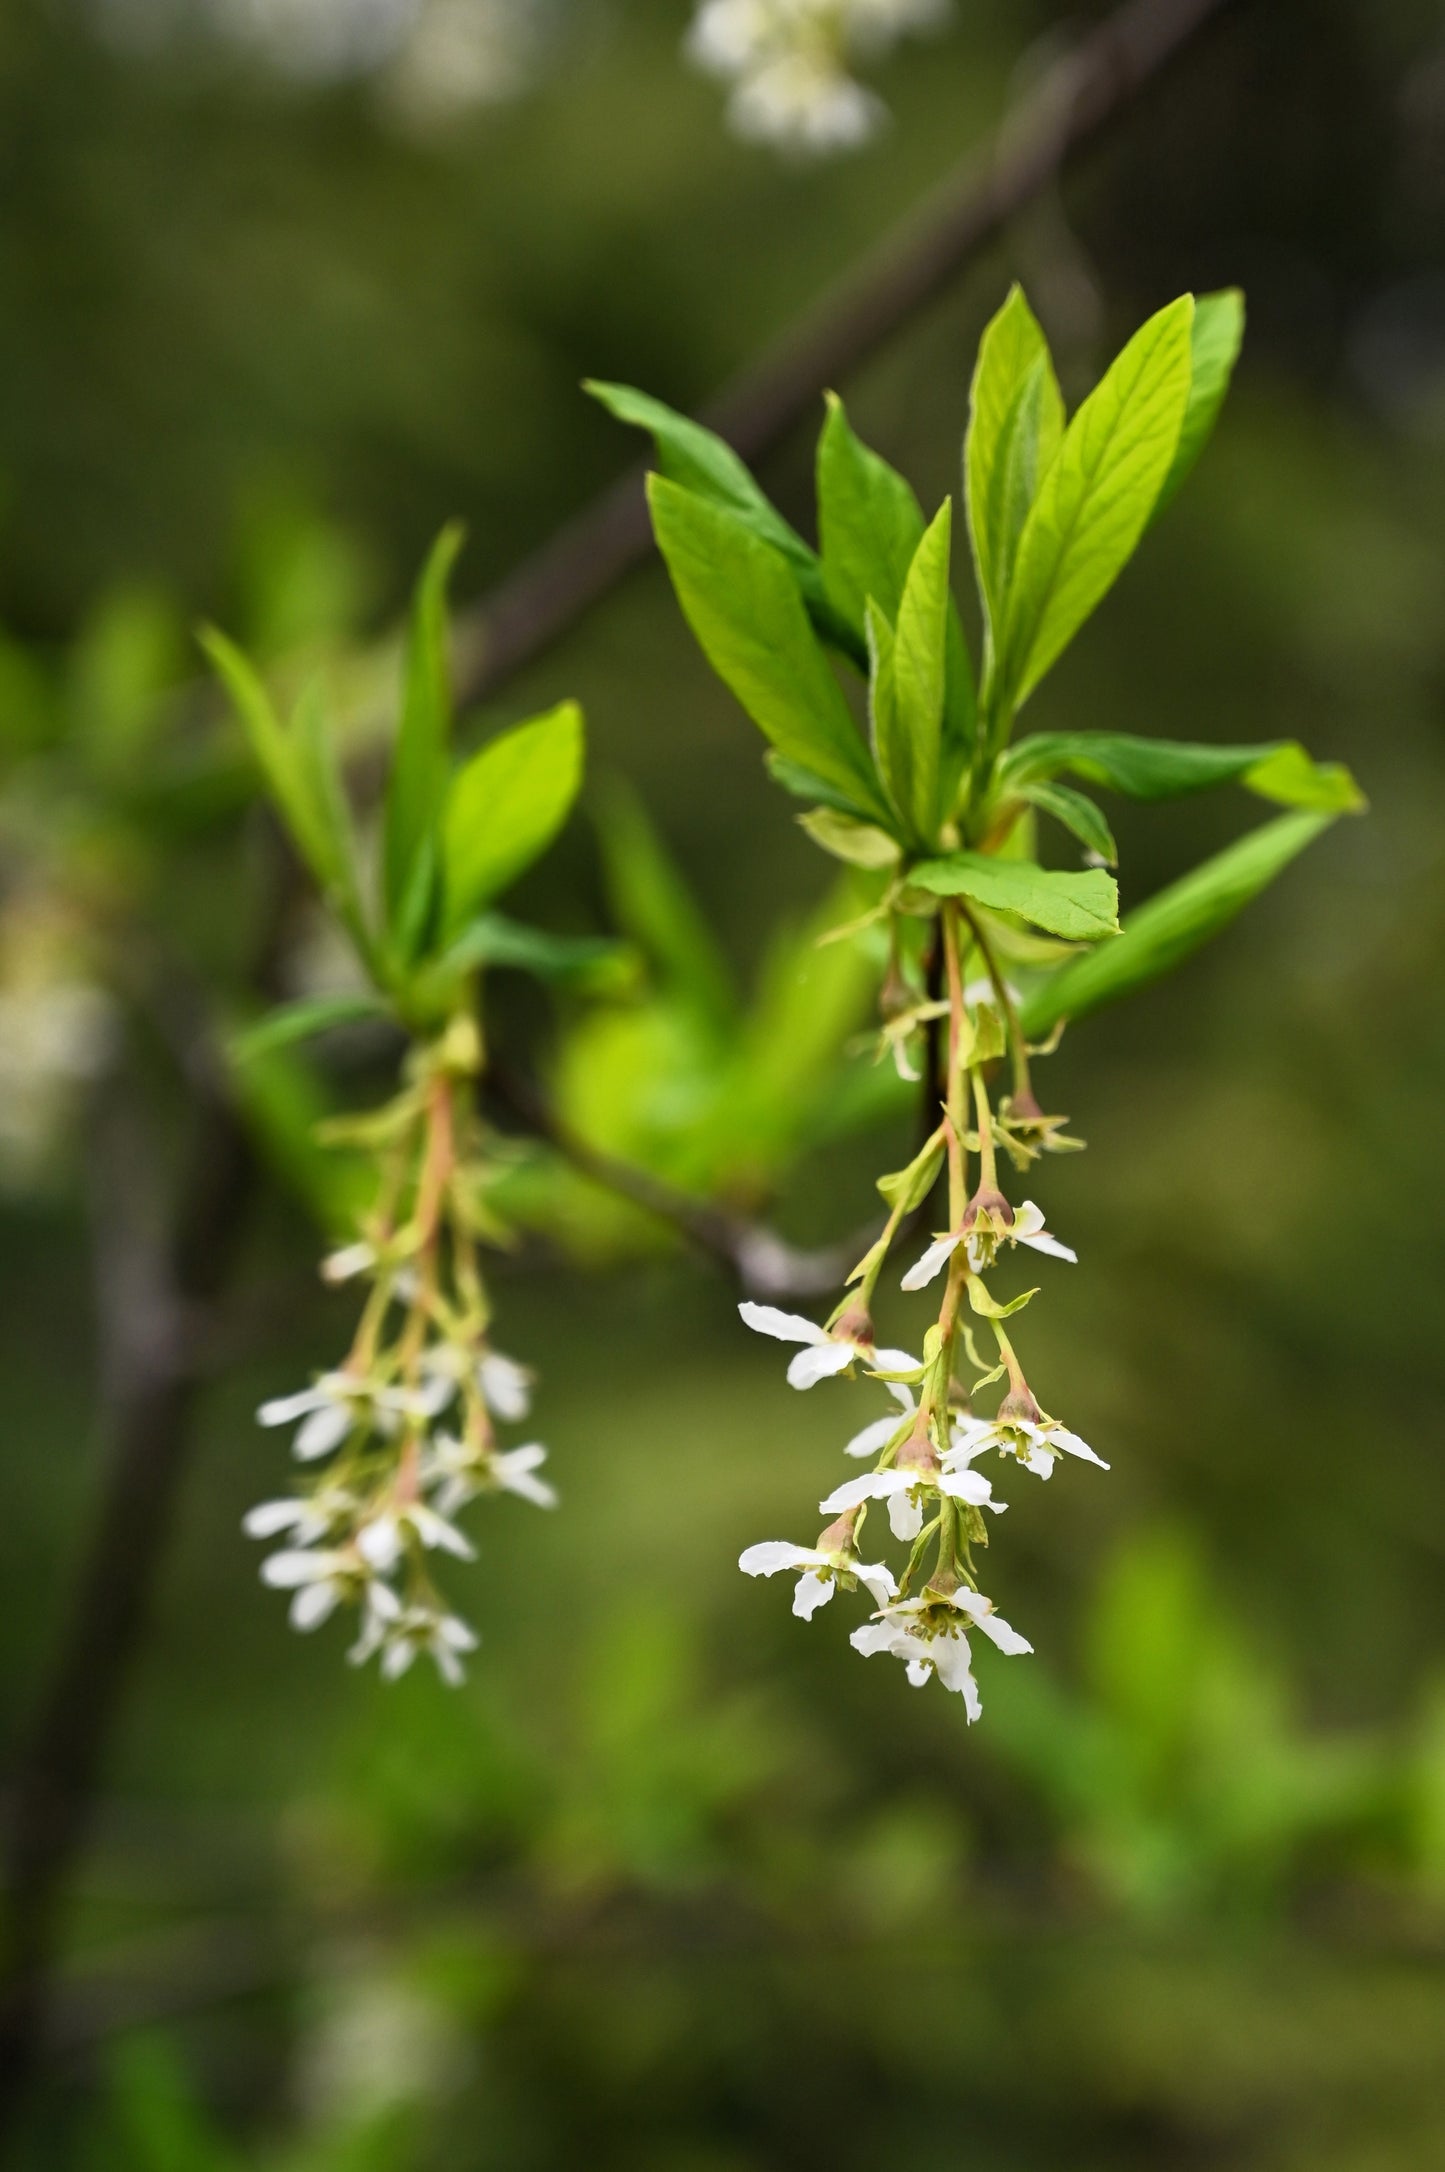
(791, 65)
(402, 1435)
(926, 1451)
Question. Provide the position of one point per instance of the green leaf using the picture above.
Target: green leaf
(300, 1021)
(861, 844)
(1095, 499)
(494, 940)
(504, 808)
(869, 521)
(1214, 342)
(908, 1188)
(1173, 924)
(743, 606)
(805, 783)
(299, 767)
(1016, 419)
(420, 763)
(652, 903)
(1155, 769)
(702, 462)
(1078, 815)
(911, 729)
(1079, 906)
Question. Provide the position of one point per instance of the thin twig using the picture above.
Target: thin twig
(149, 1395)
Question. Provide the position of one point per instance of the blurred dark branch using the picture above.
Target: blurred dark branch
(152, 1367)
(764, 1263)
(1089, 86)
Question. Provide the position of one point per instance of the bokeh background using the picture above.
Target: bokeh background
(676, 1884)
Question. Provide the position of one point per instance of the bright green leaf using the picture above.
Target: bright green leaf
(910, 747)
(869, 521)
(1165, 930)
(1215, 341)
(1095, 499)
(505, 807)
(1080, 906)
(1016, 419)
(743, 606)
(861, 844)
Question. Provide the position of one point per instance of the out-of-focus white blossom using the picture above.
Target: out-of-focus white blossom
(791, 64)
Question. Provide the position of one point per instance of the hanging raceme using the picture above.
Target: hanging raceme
(405, 1431)
(990, 951)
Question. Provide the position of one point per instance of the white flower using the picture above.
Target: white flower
(877, 1436)
(931, 1635)
(1035, 1443)
(506, 1387)
(982, 1240)
(909, 1492)
(321, 1581)
(460, 1472)
(805, 102)
(336, 1405)
(382, 1540)
(824, 1353)
(349, 1262)
(424, 1629)
(816, 1585)
(307, 1517)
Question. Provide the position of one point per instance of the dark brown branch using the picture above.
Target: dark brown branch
(153, 1375)
(1068, 109)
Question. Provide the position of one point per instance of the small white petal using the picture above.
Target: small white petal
(286, 1570)
(324, 1430)
(282, 1409)
(819, 1363)
(918, 1672)
(268, 1517)
(786, 1326)
(515, 1474)
(905, 1516)
(931, 1263)
(966, 1485)
(1043, 1242)
(813, 1590)
(379, 1542)
(875, 1436)
(312, 1604)
(396, 1658)
(770, 1555)
(506, 1387)
(952, 1662)
(434, 1530)
(873, 1637)
(874, 1576)
(349, 1261)
(895, 1361)
(1059, 1436)
(448, 1666)
(871, 1486)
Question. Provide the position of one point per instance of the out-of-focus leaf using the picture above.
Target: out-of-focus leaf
(505, 807)
(591, 961)
(283, 1101)
(859, 843)
(1161, 933)
(1155, 769)
(743, 606)
(1080, 906)
(1094, 501)
(301, 1021)
(1214, 344)
(420, 761)
(131, 651)
(651, 902)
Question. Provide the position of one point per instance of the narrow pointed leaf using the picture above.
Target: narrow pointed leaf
(1077, 814)
(1016, 419)
(651, 902)
(1169, 927)
(1215, 341)
(505, 807)
(869, 521)
(302, 1020)
(743, 606)
(910, 755)
(1095, 500)
(1156, 769)
(1080, 906)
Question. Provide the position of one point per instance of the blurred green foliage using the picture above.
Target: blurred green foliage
(676, 1885)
